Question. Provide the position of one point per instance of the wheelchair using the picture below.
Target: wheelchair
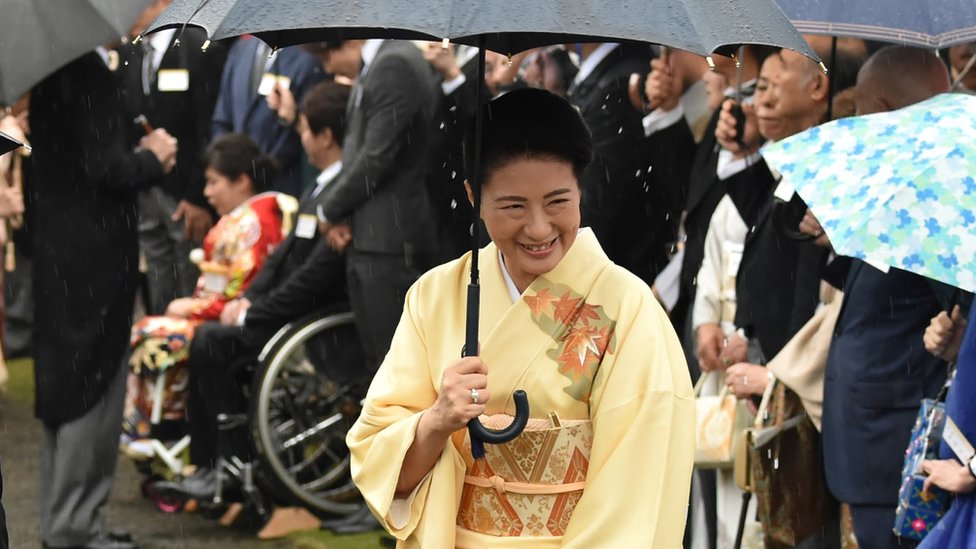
(305, 393)
(308, 393)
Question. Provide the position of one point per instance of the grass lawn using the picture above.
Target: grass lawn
(20, 392)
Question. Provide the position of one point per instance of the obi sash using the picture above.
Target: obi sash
(530, 486)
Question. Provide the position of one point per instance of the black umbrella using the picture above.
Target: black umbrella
(37, 37)
(699, 26)
(8, 144)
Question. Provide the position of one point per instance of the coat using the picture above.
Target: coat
(615, 200)
(184, 113)
(85, 241)
(382, 188)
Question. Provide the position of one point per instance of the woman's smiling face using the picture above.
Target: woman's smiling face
(531, 208)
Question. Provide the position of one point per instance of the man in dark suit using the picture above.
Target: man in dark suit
(303, 275)
(173, 88)
(85, 279)
(778, 279)
(878, 370)
(382, 189)
(457, 75)
(616, 202)
(249, 76)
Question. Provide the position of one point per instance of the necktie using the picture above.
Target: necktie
(148, 66)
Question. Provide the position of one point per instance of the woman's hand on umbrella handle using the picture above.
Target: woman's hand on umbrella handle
(463, 395)
(811, 225)
(746, 380)
(943, 337)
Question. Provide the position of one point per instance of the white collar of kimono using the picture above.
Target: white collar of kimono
(509, 283)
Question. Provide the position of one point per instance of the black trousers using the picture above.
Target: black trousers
(378, 285)
(219, 357)
(873, 527)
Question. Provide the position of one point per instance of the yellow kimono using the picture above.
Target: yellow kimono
(607, 458)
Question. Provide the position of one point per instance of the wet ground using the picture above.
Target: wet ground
(20, 435)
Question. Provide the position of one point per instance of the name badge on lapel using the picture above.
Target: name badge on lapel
(173, 80)
(268, 82)
(306, 226)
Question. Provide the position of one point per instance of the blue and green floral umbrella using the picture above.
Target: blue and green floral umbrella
(895, 188)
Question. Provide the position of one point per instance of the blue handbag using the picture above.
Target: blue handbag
(918, 511)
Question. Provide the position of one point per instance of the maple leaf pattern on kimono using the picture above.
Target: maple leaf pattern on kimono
(582, 331)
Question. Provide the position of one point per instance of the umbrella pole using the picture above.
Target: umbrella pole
(478, 433)
(474, 290)
(831, 85)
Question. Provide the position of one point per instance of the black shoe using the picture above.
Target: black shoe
(366, 523)
(355, 517)
(201, 485)
(113, 541)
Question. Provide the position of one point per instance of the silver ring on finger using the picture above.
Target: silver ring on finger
(745, 381)
(475, 396)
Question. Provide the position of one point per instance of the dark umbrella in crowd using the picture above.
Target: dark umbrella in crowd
(924, 23)
(699, 26)
(38, 37)
(8, 143)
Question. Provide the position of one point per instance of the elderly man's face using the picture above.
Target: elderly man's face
(791, 97)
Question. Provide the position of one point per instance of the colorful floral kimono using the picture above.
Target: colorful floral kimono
(234, 250)
(607, 457)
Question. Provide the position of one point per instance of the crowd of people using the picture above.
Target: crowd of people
(637, 241)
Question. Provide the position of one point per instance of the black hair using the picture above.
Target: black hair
(529, 123)
(324, 106)
(234, 154)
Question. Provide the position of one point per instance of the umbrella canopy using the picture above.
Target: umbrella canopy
(37, 37)
(924, 23)
(699, 26)
(8, 143)
(895, 188)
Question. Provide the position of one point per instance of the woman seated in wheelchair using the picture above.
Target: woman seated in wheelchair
(252, 223)
(606, 457)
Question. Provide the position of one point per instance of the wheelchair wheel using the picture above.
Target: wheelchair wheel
(306, 399)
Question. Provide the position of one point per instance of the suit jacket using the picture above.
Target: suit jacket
(241, 109)
(878, 371)
(302, 275)
(85, 240)
(778, 283)
(184, 114)
(385, 156)
(615, 202)
(445, 179)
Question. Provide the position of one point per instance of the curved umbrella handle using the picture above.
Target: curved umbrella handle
(481, 434)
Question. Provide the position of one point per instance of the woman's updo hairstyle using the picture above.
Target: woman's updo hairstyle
(234, 154)
(529, 123)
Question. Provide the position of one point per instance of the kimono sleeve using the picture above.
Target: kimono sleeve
(402, 389)
(641, 461)
(244, 266)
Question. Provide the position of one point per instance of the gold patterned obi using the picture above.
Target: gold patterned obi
(529, 486)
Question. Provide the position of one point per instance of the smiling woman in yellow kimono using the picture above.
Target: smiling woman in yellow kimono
(606, 459)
